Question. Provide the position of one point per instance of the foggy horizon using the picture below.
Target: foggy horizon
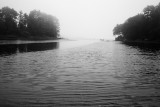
(84, 19)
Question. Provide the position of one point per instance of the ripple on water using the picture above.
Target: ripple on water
(98, 74)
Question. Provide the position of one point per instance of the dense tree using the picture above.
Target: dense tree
(35, 25)
(145, 26)
(43, 24)
(117, 30)
(8, 24)
(23, 21)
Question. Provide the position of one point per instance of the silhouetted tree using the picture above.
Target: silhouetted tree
(117, 30)
(36, 24)
(23, 21)
(145, 26)
(43, 24)
(8, 24)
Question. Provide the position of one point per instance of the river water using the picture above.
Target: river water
(79, 73)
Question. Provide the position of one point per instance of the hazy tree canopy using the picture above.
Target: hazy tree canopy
(43, 24)
(35, 25)
(8, 23)
(23, 21)
(145, 26)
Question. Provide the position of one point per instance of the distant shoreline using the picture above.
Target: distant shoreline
(28, 41)
(29, 38)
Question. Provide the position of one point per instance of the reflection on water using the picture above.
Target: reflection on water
(144, 46)
(7, 49)
(98, 74)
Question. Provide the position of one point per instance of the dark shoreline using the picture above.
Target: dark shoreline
(141, 42)
(152, 45)
(29, 38)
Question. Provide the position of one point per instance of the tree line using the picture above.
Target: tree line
(141, 27)
(35, 25)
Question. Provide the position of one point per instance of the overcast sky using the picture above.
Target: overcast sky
(84, 18)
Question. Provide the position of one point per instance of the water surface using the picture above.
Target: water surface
(79, 73)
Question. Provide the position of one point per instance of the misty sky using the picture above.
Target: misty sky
(84, 18)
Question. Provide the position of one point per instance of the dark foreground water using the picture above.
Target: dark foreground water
(79, 73)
